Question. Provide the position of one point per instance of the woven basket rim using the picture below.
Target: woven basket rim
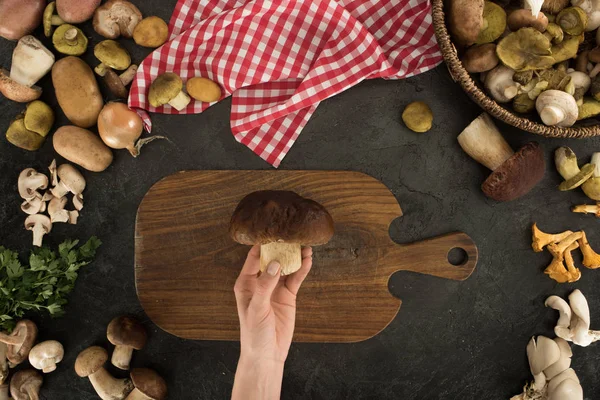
(460, 75)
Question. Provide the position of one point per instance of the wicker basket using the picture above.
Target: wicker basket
(460, 75)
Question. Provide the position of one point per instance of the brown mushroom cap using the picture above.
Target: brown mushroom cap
(116, 18)
(523, 18)
(149, 383)
(14, 91)
(517, 175)
(23, 382)
(480, 58)
(27, 331)
(19, 18)
(90, 360)
(76, 11)
(273, 215)
(115, 84)
(127, 331)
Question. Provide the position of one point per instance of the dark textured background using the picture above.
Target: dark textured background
(451, 340)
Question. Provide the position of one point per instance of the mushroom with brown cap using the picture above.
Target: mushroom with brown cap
(46, 355)
(29, 182)
(127, 334)
(111, 55)
(117, 84)
(591, 187)
(40, 225)
(25, 385)
(542, 239)
(70, 181)
(480, 58)
(148, 385)
(116, 18)
(151, 32)
(30, 62)
(76, 11)
(514, 174)
(20, 341)
(51, 19)
(524, 18)
(280, 222)
(500, 85)
(557, 108)
(494, 23)
(90, 364)
(19, 18)
(168, 89)
(567, 166)
(69, 40)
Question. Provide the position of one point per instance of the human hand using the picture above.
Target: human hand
(266, 304)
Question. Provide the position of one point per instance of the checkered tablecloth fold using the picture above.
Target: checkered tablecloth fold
(279, 59)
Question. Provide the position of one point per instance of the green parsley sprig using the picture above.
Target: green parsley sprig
(44, 283)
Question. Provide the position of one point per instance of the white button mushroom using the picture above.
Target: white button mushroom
(499, 83)
(33, 206)
(56, 210)
(40, 225)
(70, 180)
(46, 355)
(557, 108)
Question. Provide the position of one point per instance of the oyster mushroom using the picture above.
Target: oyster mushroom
(564, 316)
(580, 320)
(151, 32)
(30, 62)
(557, 108)
(514, 174)
(51, 19)
(541, 353)
(25, 385)
(526, 49)
(563, 363)
(40, 225)
(567, 166)
(500, 84)
(494, 23)
(168, 89)
(591, 187)
(111, 55)
(45, 355)
(69, 40)
(19, 18)
(480, 58)
(116, 18)
(541, 239)
(565, 386)
(89, 364)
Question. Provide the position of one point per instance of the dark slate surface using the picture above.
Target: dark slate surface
(450, 340)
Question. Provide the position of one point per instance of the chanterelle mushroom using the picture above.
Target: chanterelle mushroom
(30, 181)
(280, 222)
(591, 259)
(168, 89)
(127, 334)
(46, 355)
(561, 252)
(30, 62)
(71, 181)
(40, 225)
(148, 385)
(541, 239)
(556, 107)
(514, 174)
(20, 341)
(587, 209)
(566, 164)
(89, 364)
(25, 385)
(116, 18)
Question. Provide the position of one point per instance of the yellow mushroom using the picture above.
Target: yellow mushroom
(541, 239)
(561, 252)
(591, 259)
(587, 209)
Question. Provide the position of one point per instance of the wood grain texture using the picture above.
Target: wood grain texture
(186, 264)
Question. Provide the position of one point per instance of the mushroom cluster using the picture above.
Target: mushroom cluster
(19, 346)
(127, 334)
(544, 56)
(562, 268)
(65, 180)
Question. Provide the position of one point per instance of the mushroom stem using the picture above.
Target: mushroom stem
(586, 209)
(71, 37)
(3, 363)
(38, 234)
(484, 143)
(552, 115)
(289, 256)
(33, 395)
(180, 101)
(4, 392)
(121, 356)
(108, 387)
(136, 395)
(48, 365)
(101, 69)
(127, 76)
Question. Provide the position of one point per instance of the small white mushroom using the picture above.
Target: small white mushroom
(33, 206)
(78, 201)
(581, 83)
(29, 182)
(71, 181)
(563, 363)
(541, 354)
(46, 355)
(499, 83)
(564, 319)
(56, 210)
(40, 225)
(557, 108)
(73, 215)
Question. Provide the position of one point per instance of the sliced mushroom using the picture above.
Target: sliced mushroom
(25, 385)
(53, 175)
(40, 225)
(116, 18)
(127, 334)
(56, 210)
(70, 181)
(73, 215)
(46, 355)
(30, 181)
(78, 201)
(89, 364)
(20, 341)
(33, 206)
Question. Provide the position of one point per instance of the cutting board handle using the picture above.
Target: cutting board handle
(431, 256)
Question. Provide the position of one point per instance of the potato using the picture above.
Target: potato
(77, 91)
(82, 147)
(465, 20)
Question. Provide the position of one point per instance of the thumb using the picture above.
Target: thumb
(267, 281)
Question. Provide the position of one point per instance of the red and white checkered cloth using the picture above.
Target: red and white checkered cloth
(279, 59)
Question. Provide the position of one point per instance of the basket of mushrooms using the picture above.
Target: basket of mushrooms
(534, 64)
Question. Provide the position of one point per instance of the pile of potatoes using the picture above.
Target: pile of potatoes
(536, 56)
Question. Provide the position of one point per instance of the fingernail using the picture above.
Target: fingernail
(273, 268)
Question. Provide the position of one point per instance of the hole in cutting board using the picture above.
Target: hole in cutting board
(457, 257)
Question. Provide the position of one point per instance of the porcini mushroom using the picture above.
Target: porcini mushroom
(591, 187)
(20, 341)
(587, 209)
(29, 182)
(500, 85)
(479, 58)
(542, 239)
(76, 11)
(148, 385)
(51, 19)
(554, 6)
(557, 108)
(524, 18)
(168, 89)
(25, 385)
(89, 364)
(280, 222)
(591, 259)
(116, 18)
(564, 316)
(121, 128)
(30, 62)
(567, 166)
(70, 181)
(151, 32)
(40, 225)
(514, 174)
(111, 55)
(465, 20)
(127, 334)
(46, 355)
(19, 18)
(69, 40)
(117, 83)
(56, 210)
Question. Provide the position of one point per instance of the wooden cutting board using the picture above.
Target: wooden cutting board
(186, 264)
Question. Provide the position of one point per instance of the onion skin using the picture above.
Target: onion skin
(119, 127)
